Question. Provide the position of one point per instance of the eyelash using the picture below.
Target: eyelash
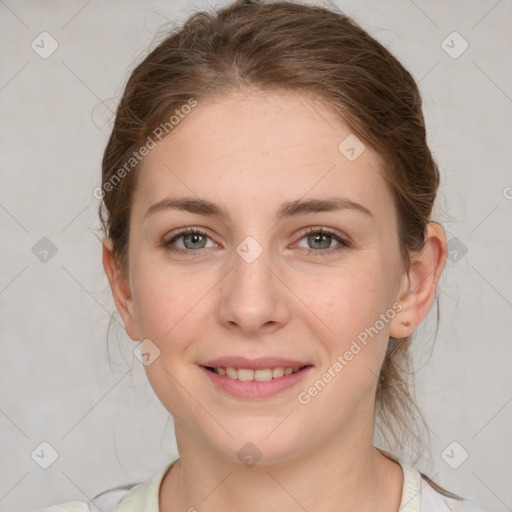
(343, 244)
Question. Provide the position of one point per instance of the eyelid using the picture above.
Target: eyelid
(190, 230)
(203, 231)
(325, 230)
(186, 231)
(343, 240)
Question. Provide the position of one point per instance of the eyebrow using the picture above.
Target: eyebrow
(287, 209)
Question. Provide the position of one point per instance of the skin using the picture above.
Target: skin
(250, 152)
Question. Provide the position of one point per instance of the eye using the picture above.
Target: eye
(187, 241)
(319, 240)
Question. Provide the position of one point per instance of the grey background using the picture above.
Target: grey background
(103, 420)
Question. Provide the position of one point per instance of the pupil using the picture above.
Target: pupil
(194, 238)
(318, 239)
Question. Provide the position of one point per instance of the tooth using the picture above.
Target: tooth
(277, 372)
(263, 375)
(231, 372)
(245, 374)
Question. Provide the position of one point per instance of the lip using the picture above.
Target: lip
(254, 364)
(255, 389)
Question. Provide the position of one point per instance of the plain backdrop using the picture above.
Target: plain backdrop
(101, 420)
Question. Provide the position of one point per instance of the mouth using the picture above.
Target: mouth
(256, 379)
(259, 375)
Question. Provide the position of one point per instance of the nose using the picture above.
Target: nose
(254, 300)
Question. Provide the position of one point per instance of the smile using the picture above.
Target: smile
(247, 374)
(255, 383)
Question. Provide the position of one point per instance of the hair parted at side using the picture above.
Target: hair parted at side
(290, 47)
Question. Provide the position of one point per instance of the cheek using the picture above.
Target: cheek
(171, 309)
(348, 299)
(162, 298)
(174, 305)
(355, 308)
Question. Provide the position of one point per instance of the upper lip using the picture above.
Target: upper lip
(254, 364)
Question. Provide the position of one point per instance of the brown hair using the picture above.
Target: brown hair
(310, 50)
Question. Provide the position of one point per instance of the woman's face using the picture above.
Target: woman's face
(258, 172)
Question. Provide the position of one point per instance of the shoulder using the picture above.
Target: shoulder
(432, 500)
(105, 501)
(127, 498)
(70, 506)
(420, 494)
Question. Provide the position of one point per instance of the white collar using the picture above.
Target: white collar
(145, 496)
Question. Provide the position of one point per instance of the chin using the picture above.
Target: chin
(265, 441)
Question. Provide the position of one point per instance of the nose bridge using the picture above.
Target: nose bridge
(253, 299)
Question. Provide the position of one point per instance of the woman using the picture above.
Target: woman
(268, 192)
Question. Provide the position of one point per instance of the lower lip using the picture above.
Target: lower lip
(253, 388)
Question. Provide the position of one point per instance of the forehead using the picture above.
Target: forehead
(262, 148)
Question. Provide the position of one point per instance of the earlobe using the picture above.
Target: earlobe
(120, 291)
(419, 284)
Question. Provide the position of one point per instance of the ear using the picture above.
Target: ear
(418, 286)
(120, 291)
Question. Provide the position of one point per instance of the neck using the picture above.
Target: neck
(346, 474)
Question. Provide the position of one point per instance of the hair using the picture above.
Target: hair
(284, 46)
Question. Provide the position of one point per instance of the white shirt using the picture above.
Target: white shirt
(417, 496)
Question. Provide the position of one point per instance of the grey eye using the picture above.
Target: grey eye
(194, 241)
(323, 239)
